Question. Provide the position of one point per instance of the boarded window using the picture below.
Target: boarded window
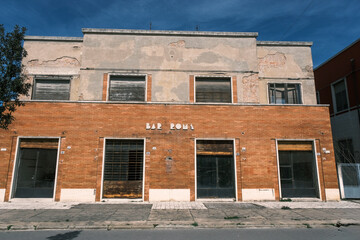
(214, 147)
(123, 169)
(213, 90)
(284, 93)
(39, 143)
(51, 89)
(127, 88)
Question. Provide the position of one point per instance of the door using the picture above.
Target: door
(349, 179)
(215, 176)
(35, 173)
(123, 168)
(298, 174)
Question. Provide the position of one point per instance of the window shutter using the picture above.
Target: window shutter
(127, 88)
(48, 89)
(213, 90)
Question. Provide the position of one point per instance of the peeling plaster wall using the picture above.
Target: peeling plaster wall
(170, 60)
(53, 58)
(290, 64)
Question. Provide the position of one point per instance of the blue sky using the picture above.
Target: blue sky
(330, 24)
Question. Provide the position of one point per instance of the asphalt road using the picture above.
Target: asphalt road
(344, 233)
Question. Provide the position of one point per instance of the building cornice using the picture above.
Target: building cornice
(284, 43)
(54, 39)
(169, 33)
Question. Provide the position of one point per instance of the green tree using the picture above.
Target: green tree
(12, 78)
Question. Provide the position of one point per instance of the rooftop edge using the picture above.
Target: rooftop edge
(283, 43)
(51, 38)
(169, 33)
(337, 54)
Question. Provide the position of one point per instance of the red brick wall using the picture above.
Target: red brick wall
(337, 68)
(105, 84)
(83, 126)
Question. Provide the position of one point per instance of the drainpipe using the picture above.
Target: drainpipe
(353, 74)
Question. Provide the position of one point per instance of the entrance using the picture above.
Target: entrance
(298, 173)
(36, 168)
(123, 168)
(215, 169)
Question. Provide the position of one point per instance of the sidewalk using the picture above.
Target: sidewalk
(35, 216)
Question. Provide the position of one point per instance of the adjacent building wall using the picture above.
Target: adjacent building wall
(344, 65)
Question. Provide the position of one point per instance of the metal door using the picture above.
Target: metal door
(35, 175)
(298, 174)
(215, 176)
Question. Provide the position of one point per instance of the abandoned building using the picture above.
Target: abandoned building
(121, 115)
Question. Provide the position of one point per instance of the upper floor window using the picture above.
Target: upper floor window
(211, 89)
(345, 151)
(284, 93)
(127, 88)
(340, 99)
(51, 89)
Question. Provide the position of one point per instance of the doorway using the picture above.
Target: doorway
(35, 170)
(123, 169)
(215, 169)
(298, 171)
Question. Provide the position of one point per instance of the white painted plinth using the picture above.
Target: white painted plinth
(267, 194)
(77, 195)
(332, 194)
(2, 194)
(156, 195)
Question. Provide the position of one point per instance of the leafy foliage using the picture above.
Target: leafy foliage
(12, 79)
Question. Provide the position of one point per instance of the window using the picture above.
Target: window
(340, 99)
(345, 151)
(318, 97)
(216, 90)
(51, 89)
(127, 88)
(284, 93)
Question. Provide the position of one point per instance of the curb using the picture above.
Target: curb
(34, 226)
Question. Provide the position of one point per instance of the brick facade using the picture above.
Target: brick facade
(83, 127)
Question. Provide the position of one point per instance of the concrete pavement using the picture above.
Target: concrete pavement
(35, 216)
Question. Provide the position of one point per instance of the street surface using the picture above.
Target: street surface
(329, 233)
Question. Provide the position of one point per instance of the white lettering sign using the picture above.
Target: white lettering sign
(173, 126)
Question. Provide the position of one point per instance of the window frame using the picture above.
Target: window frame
(50, 78)
(126, 74)
(334, 97)
(215, 77)
(301, 101)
